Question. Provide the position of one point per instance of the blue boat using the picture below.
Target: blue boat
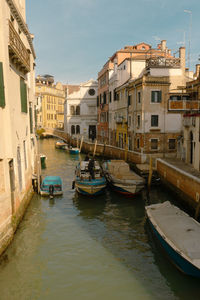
(86, 184)
(51, 186)
(74, 150)
(178, 234)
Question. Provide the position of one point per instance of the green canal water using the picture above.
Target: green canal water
(77, 248)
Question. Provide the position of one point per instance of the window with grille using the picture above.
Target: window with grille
(154, 144)
(172, 144)
(2, 93)
(156, 96)
(154, 121)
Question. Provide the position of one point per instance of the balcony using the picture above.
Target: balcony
(17, 50)
(162, 62)
(183, 105)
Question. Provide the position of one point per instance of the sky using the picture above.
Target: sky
(75, 38)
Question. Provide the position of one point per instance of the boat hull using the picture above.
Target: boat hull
(89, 189)
(176, 258)
(128, 191)
(45, 193)
(72, 151)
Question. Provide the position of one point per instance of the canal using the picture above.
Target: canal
(75, 248)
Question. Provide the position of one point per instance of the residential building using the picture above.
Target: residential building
(18, 145)
(81, 110)
(189, 150)
(145, 121)
(103, 102)
(50, 102)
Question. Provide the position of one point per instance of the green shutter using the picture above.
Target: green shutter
(2, 94)
(152, 96)
(160, 96)
(23, 93)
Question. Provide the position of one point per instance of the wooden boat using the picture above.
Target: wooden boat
(51, 186)
(85, 184)
(60, 144)
(178, 234)
(74, 150)
(121, 179)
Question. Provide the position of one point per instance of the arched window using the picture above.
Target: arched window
(72, 110)
(78, 110)
(72, 129)
(77, 129)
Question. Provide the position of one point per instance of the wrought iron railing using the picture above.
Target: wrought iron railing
(162, 62)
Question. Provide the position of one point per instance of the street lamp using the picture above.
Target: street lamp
(190, 30)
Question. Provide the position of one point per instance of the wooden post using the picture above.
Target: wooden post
(150, 173)
(95, 147)
(81, 143)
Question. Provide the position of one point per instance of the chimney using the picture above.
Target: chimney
(197, 70)
(182, 58)
(163, 45)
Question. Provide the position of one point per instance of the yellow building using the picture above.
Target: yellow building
(50, 102)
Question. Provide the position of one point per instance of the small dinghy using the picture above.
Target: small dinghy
(51, 186)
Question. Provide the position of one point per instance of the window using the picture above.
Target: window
(138, 121)
(78, 110)
(139, 97)
(23, 93)
(2, 94)
(77, 129)
(154, 121)
(129, 100)
(91, 92)
(72, 129)
(154, 144)
(156, 96)
(138, 143)
(129, 121)
(172, 144)
(110, 98)
(72, 110)
(104, 98)
(97, 101)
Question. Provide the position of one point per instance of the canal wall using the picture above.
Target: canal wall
(10, 220)
(182, 182)
(103, 150)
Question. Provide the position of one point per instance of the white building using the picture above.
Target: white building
(17, 111)
(81, 110)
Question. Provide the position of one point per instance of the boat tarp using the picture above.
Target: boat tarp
(119, 169)
(177, 227)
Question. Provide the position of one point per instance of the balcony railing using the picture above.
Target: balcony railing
(17, 50)
(183, 105)
(162, 62)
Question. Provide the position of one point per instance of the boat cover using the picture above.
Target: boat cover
(179, 230)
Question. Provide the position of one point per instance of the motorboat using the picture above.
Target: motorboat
(87, 182)
(178, 234)
(51, 186)
(74, 150)
(60, 144)
(121, 179)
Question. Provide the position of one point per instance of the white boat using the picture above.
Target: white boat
(121, 179)
(178, 234)
(60, 144)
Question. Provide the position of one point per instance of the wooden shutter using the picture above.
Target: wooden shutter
(23, 93)
(152, 96)
(2, 94)
(31, 118)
